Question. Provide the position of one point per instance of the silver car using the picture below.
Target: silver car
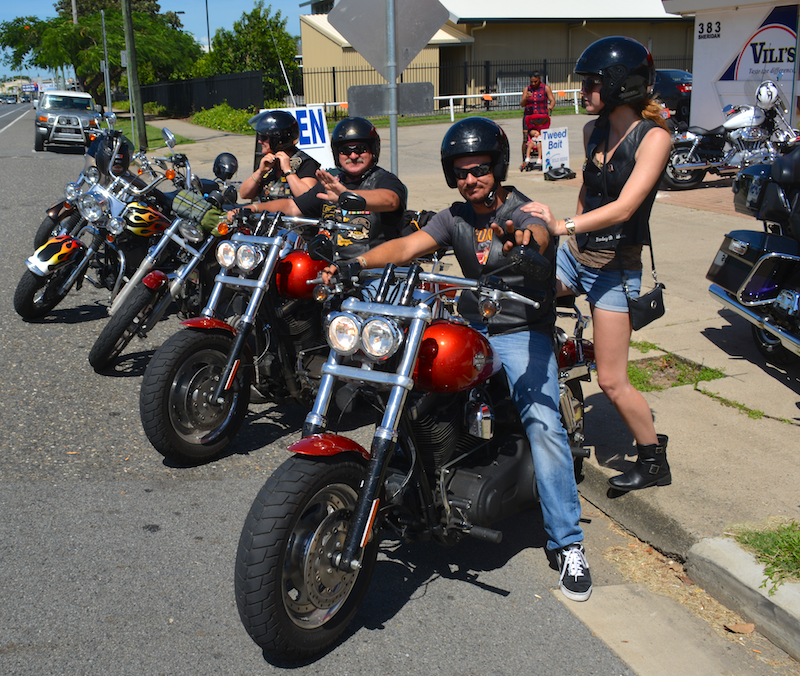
(65, 118)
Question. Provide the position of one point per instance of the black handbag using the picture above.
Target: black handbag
(648, 307)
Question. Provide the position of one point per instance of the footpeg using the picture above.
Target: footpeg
(487, 534)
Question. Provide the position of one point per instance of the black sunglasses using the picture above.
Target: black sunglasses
(590, 84)
(358, 148)
(477, 171)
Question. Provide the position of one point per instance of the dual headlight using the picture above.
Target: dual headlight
(72, 191)
(378, 337)
(246, 257)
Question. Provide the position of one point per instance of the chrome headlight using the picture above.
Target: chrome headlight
(226, 255)
(115, 225)
(344, 331)
(380, 338)
(92, 175)
(72, 191)
(191, 232)
(91, 208)
(248, 257)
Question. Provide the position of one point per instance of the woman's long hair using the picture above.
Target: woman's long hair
(650, 109)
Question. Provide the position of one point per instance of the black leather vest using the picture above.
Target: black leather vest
(275, 184)
(373, 230)
(514, 316)
(604, 184)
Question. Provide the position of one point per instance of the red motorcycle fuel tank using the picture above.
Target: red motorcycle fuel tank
(453, 357)
(144, 220)
(294, 272)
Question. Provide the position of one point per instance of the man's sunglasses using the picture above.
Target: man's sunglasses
(477, 172)
(358, 148)
(590, 84)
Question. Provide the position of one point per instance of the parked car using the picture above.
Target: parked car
(65, 118)
(10, 98)
(674, 89)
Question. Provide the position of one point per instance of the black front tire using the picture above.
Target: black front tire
(123, 326)
(175, 403)
(38, 143)
(36, 296)
(681, 180)
(771, 349)
(292, 601)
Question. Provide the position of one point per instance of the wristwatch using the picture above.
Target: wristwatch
(291, 171)
(569, 224)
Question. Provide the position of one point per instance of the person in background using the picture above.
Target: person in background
(537, 103)
(627, 148)
(284, 170)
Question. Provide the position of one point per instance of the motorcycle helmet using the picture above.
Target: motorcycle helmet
(475, 136)
(279, 127)
(351, 130)
(767, 95)
(625, 67)
(225, 166)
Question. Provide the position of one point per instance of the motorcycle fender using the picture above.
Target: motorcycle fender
(60, 210)
(327, 444)
(155, 280)
(55, 253)
(207, 323)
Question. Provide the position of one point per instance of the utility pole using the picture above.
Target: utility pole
(137, 111)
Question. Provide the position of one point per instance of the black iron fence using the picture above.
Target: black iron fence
(182, 98)
(488, 84)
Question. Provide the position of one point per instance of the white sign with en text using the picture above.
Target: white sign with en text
(555, 148)
(314, 137)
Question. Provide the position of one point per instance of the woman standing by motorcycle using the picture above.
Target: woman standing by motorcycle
(627, 148)
(284, 170)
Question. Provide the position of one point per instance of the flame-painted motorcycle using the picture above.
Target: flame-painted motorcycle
(197, 386)
(449, 457)
(178, 268)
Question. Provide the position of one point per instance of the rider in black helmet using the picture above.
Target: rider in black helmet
(284, 171)
(356, 148)
(627, 148)
(490, 221)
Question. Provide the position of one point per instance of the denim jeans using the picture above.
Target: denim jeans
(530, 366)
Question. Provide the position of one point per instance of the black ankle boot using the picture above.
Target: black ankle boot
(651, 468)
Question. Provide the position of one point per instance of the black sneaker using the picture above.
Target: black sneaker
(576, 580)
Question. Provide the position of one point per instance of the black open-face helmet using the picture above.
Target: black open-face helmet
(625, 67)
(119, 163)
(279, 127)
(225, 166)
(475, 136)
(355, 130)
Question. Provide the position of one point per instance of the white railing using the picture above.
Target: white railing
(562, 96)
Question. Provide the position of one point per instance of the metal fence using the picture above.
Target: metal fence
(240, 90)
(459, 80)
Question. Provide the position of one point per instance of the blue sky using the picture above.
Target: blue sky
(221, 14)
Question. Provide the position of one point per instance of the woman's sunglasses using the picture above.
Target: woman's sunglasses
(590, 84)
(477, 171)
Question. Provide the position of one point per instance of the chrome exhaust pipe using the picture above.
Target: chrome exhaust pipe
(788, 341)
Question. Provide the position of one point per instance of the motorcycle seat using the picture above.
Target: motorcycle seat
(786, 169)
(701, 131)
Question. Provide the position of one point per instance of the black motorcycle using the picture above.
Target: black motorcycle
(756, 274)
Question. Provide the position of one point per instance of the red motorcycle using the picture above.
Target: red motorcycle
(449, 457)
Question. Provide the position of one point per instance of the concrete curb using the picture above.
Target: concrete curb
(734, 577)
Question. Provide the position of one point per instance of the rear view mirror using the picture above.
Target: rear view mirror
(352, 202)
(168, 136)
(321, 248)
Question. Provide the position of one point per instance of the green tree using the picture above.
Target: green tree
(258, 41)
(162, 50)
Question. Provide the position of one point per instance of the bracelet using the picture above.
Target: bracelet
(569, 224)
(362, 261)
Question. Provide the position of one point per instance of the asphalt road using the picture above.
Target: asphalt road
(114, 562)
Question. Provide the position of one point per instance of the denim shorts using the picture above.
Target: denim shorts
(603, 288)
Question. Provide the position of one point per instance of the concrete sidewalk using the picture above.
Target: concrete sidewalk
(728, 467)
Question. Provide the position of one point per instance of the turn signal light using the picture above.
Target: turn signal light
(170, 174)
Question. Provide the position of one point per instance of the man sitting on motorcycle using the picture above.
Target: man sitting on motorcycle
(475, 157)
(356, 148)
(284, 169)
